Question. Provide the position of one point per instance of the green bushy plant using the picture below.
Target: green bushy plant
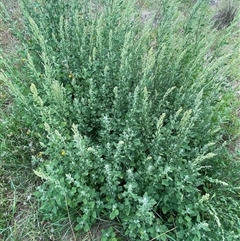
(123, 116)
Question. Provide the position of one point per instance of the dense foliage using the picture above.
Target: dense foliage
(122, 113)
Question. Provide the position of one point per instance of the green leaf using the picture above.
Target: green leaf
(63, 124)
(180, 220)
(165, 209)
(187, 218)
(114, 214)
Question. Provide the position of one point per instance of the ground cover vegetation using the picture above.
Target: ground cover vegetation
(120, 120)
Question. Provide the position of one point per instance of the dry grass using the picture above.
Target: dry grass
(225, 14)
(7, 41)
